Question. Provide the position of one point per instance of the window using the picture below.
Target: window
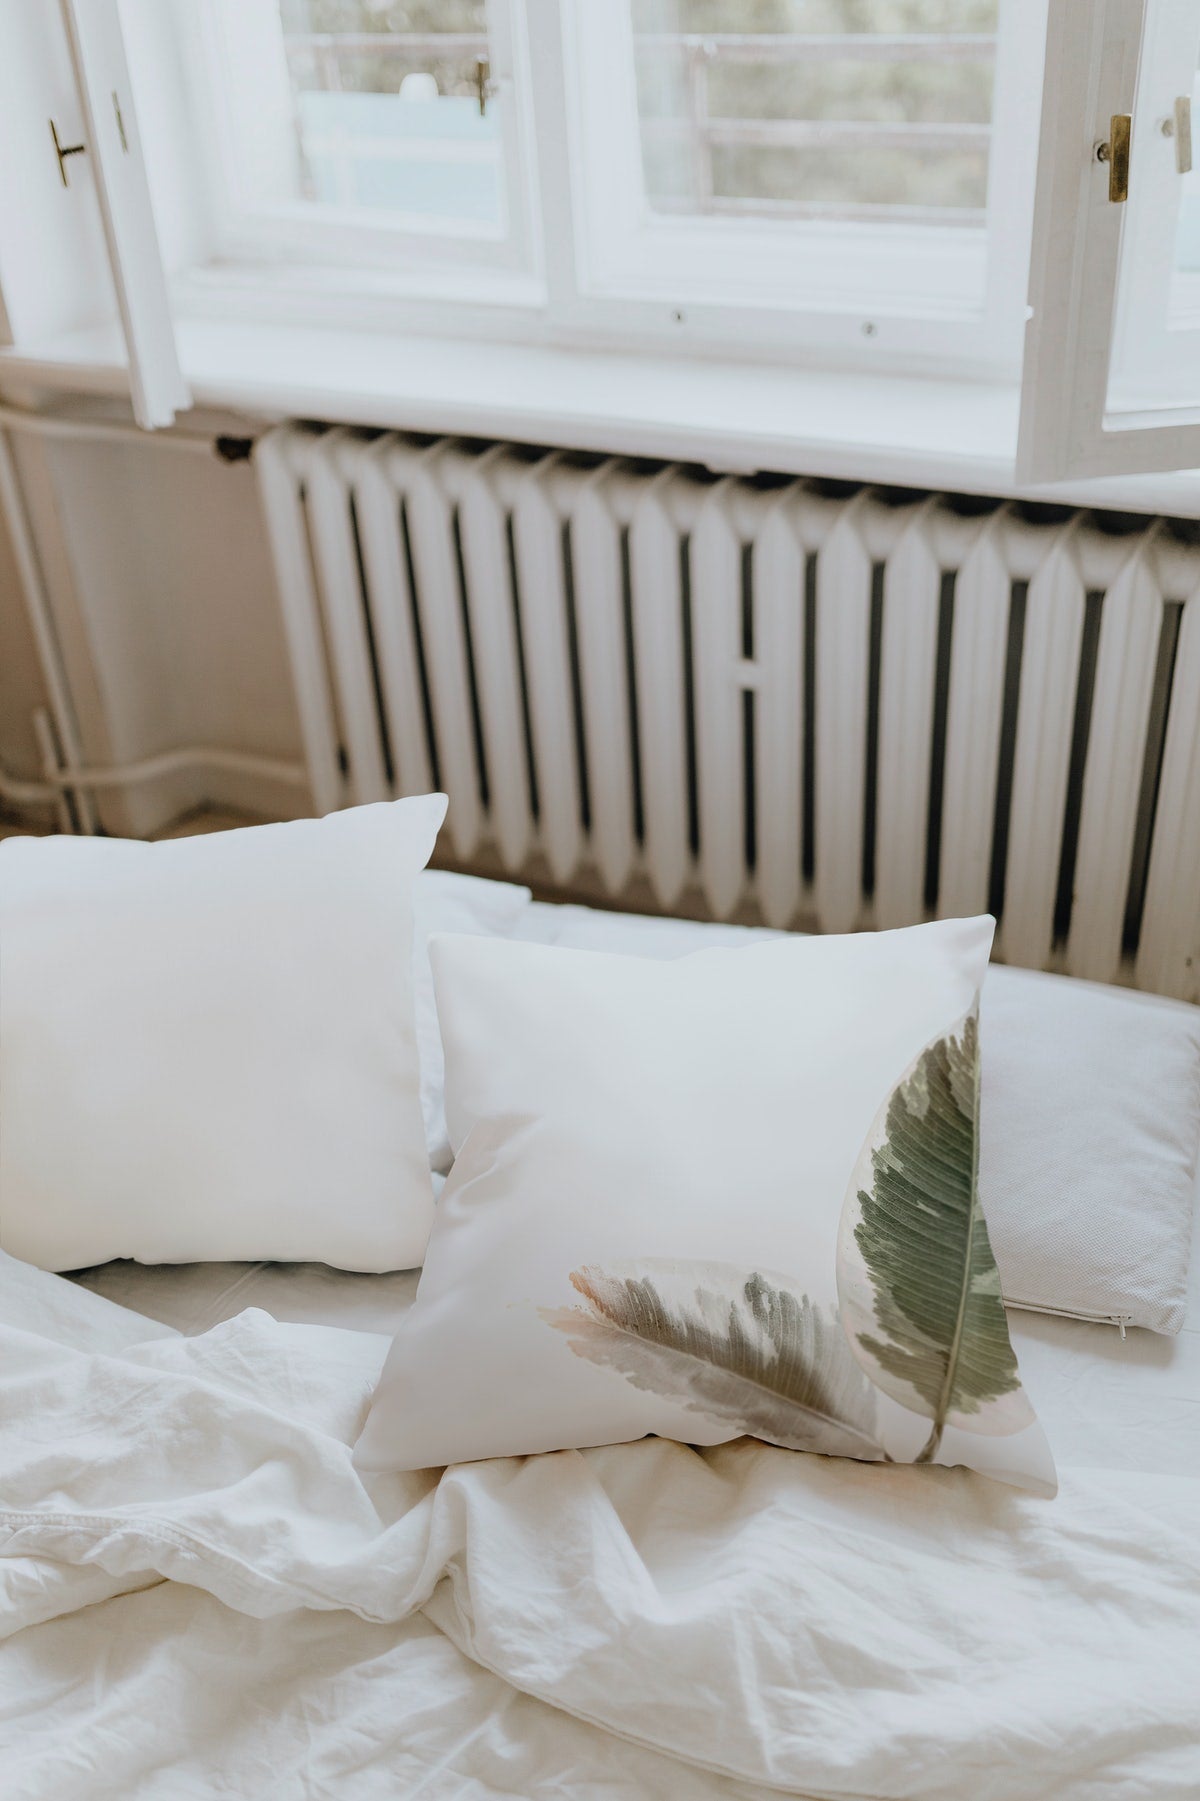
(822, 177)
(1112, 367)
(406, 123)
(834, 178)
(360, 133)
(96, 46)
(867, 113)
(845, 183)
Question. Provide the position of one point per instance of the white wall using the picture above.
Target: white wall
(153, 558)
(21, 686)
(156, 566)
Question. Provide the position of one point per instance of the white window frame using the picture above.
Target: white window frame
(612, 266)
(97, 46)
(1101, 274)
(235, 50)
(549, 285)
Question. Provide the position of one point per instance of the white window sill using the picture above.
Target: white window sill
(909, 431)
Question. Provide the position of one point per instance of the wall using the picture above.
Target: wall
(152, 556)
(156, 565)
(21, 686)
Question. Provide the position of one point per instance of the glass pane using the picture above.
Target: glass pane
(387, 107)
(816, 108)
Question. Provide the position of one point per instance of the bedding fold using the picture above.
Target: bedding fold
(747, 1618)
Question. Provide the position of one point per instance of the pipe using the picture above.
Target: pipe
(37, 608)
(58, 782)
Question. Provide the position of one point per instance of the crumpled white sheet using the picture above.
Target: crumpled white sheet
(202, 1597)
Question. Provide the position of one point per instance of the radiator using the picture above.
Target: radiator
(803, 703)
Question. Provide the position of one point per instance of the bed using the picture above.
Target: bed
(243, 1616)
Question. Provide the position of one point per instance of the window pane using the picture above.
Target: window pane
(827, 108)
(387, 107)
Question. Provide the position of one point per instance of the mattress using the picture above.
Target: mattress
(1106, 1400)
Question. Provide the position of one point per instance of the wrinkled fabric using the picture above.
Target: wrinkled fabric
(200, 1596)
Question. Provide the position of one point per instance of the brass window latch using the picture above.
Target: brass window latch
(484, 85)
(1178, 125)
(63, 151)
(1114, 151)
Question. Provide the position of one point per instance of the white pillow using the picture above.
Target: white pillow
(207, 1046)
(444, 901)
(673, 1210)
(1091, 1131)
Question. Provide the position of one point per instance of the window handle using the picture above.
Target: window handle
(484, 86)
(1115, 152)
(63, 151)
(1179, 127)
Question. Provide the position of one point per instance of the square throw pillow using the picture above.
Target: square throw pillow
(735, 1193)
(208, 1048)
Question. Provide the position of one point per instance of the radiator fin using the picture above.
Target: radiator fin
(656, 563)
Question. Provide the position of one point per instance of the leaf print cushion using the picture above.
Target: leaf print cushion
(609, 1260)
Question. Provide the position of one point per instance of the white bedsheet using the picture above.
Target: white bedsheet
(649, 1620)
(199, 1597)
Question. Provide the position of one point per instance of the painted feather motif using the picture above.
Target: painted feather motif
(743, 1350)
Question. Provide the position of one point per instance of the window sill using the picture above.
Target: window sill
(905, 430)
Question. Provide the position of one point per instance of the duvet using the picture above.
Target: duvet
(200, 1597)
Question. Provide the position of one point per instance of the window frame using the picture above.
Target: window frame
(1105, 57)
(597, 229)
(544, 287)
(219, 40)
(96, 43)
